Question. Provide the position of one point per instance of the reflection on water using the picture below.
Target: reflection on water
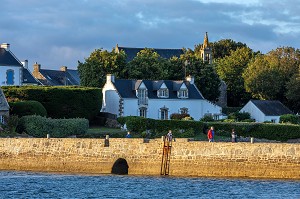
(44, 185)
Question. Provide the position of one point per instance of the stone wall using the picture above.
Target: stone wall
(263, 160)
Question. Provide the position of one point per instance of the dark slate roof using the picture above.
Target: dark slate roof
(28, 78)
(126, 88)
(7, 58)
(271, 107)
(165, 53)
(75, 75)
(58, 78)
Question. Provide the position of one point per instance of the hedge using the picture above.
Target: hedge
(38, 126)
(161, 127)
(280, 132)
(60, 101)
(23, 108)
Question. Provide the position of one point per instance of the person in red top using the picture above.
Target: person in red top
(211, 134)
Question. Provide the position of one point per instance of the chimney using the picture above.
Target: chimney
(36, 69)
(190, 79)
(25, 64)
(63, 68)
(5, 46)
(110, 78)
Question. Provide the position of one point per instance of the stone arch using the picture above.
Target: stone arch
(120, 167)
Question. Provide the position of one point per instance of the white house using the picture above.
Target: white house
(155, 99)
(265, 110)
(12, 71)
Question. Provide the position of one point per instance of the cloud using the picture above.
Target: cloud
(61, 32)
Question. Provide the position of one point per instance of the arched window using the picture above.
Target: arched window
(10, 77)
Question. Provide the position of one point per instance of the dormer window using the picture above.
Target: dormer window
(163, 93)
(182, 93)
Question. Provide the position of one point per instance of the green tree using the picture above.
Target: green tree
(101, 62)
(293, 92)
(230, 69)
(148, 64)
(206, 78)
(267, 75)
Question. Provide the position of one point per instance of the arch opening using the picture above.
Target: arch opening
(120, 167)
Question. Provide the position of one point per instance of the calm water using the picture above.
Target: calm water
(43, 185)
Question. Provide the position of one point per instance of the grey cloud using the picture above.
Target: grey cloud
(61, 32)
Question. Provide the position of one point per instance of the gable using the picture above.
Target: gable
(3, 102)
(8, 59)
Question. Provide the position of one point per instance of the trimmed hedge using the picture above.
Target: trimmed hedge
(38, 126)
(280, 132)
(23, 108)
(60, 101)
(159, 128)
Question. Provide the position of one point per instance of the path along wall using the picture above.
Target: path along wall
(262, 160)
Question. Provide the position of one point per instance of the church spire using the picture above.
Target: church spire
(205, 42)
(206, 50)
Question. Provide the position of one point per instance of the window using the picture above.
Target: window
(184, 111)
(1, 119)
(142, 96)
(164, 113)
(10, 77)
(273, 120)
(163, 93)
(182, 93)
(143, 112)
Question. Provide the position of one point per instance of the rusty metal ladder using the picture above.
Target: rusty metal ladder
(165, 162)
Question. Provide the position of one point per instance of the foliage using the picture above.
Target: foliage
(23, 108)
(267, 75)
(10, 124)
(60, 101)
(293, 90)
(228, 110)
(289, 118)
(147, 63)
(38, 126)
(179, 116)
(207, 118)
(230, 69)
(237, 116)
(94, 69)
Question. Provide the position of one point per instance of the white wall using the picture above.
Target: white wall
(255, 113)
(196, 108)
(17, 75)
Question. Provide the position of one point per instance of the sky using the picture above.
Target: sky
(57, 33)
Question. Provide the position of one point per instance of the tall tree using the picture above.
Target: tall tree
(293, 92)
(94, 69)
(267, 75)
(148, 64)
(230, 69)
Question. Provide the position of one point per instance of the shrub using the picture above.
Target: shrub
(237, 116)
(23, 108)
(179, 116)
(38, 126)
(207, 118)
(289, 118)
(60, 101)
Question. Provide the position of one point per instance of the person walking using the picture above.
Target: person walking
(233, 136)
(169, 136)
(211, 134)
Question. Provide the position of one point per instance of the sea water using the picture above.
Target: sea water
(48, 185)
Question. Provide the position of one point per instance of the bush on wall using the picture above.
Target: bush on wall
(23, 108)
(38, 126)
(60, 101)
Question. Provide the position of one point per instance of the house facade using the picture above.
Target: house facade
(62, 77)
(265, 110)
(12, 71)
(156, 99)
(4, 107)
